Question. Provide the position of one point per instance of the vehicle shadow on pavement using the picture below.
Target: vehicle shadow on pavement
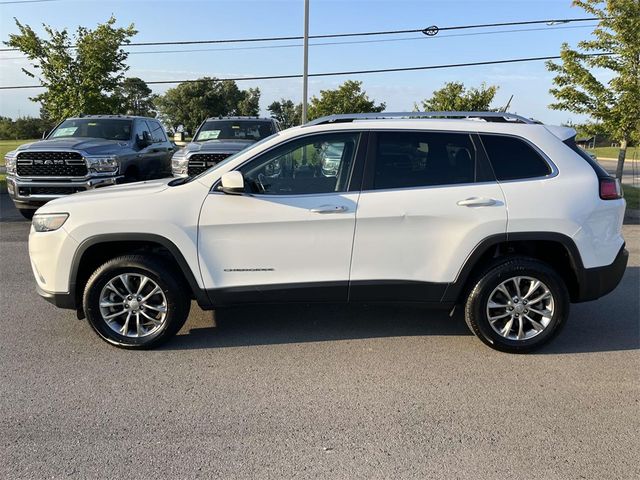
(299, 323)
(609, 324)
(8, 212)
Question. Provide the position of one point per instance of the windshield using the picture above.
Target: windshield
(234, 130)
(107, 128)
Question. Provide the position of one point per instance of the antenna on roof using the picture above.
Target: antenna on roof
(506, 107)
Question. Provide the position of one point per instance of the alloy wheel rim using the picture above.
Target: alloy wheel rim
(133, 305)
(520, 308)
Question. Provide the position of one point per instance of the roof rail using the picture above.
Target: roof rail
(487, 116)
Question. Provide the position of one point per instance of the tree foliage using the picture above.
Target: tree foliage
(190, 103)
(135, 98)
(23, 127)
(613, 105)
(454, 96)
(347, 98)
(286, 112)
(77, 80)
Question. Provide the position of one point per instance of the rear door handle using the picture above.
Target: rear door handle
(329, 209)
(477, 202)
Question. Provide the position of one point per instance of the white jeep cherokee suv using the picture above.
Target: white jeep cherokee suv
(501, 215)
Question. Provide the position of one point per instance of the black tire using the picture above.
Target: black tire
(484, 285)
(178, 300)
(131, 175)
(27, 213)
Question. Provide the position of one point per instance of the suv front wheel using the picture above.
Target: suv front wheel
(135, 301)
(517, 305)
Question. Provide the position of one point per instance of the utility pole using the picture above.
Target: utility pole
(305, 73)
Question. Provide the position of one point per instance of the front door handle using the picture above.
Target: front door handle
(477, 202)
(329, 209)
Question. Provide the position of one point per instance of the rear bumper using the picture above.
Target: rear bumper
(594, 283)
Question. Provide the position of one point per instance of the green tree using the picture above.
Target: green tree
(615, 105)
(77, 80)
(23, 127)
(286, 112)
(347, 98)
(249, 103)
(190, 103)
(135, 98)
(455, 97)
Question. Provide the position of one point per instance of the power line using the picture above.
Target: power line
(431, 28)
(351, 72)
(351, 42)
(430, 31)
(25, 1)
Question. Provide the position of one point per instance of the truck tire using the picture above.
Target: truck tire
(27, 213)
(136, 301)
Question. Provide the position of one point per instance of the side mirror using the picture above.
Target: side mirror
(232, 183)
(44, 134)
(145, 141)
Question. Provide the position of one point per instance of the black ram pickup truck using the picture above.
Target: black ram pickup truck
(87, 152)
(218, 138)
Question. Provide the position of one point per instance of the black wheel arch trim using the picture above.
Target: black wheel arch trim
(199, 293)
(456, 289)
(592, 282)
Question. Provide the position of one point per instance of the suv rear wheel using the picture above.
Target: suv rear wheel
(517, 305)
(135, 301)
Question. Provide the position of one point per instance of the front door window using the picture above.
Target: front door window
(311, 165)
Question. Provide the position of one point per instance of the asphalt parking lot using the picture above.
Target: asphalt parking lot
(315, 392)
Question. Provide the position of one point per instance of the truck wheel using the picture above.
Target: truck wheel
(27, 212)
(136, 301)
(517, 305)
(131, 175)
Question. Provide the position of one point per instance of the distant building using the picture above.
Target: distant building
(586, 142)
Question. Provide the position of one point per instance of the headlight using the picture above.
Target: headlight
(102, 164)
(179, 165)
(48, 222)
(10, 162)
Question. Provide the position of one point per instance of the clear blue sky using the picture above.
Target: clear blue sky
(159, 20)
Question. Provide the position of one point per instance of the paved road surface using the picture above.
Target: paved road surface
(315, 392)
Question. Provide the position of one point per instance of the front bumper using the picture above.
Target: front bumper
(60, 300)
(35, 192)
(596, 282)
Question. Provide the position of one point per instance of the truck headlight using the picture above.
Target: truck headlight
(10, 163)
(102, 164)
(48, 222)
(179, 165)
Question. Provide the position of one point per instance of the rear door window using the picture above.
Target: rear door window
(420, 159)
(513, 158)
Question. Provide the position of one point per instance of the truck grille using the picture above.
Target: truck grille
(28, 191)
(51, 164)
(199, 162)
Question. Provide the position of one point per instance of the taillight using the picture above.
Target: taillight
(610, 188)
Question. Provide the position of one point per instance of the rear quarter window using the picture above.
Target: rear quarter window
(513, 158)
(600, 171)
